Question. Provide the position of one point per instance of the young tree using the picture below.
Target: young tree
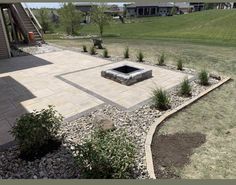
(99, 18)
(44, 19)
(173, 10)
(70, 18)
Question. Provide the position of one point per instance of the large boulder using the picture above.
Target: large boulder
(103, 122)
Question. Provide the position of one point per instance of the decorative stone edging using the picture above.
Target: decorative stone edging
(149, 137)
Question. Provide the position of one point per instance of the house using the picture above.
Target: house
(17, 25)
(198, 6)
(148, 9)
(86, 7)
(184, 7)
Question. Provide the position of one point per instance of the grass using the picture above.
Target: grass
(214, 115)
(212, 26)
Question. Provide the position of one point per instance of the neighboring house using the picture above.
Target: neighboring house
(198, 6)
(148, 9)
(225, 5)
(86, 8)
(114, 10)
(184, 7)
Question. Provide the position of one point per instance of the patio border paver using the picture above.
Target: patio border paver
(152, 129)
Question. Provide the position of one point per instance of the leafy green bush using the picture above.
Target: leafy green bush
(140, 56)
(106, 155)
(36, 132)
(93, 50)
(85, 48)
(185, 88)
(126, 52)
(203, 77)
(160, 99)
(105, 53)
(161, 59)
(180, 65)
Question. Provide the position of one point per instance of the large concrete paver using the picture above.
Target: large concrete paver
(125, 96)
(71, 82)
(30, 83)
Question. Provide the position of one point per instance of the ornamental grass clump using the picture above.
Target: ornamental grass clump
(185, 88)
(106, 155)
(140, 56)
(85, 48)
(203, 78)
(37, 133)
(160, 99)
(105, 53)
(93, 50)
(126, 52)
(180, 65)
(161, 60)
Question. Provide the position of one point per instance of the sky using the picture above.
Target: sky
(52, 5)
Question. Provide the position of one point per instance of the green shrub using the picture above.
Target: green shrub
(140, 56)
(180, 65)
(105, 53)
(93, 50)
(160, 99)
(126, 52)
(203, 77)
(161, 59)
(85, 48)
(106, 155)
(185, 88)
(36, 132)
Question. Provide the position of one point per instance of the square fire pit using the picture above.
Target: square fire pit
(127, 75)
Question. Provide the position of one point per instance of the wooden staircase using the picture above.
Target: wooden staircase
(4, 47)
(27, 22)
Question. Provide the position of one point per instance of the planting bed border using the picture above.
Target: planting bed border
(151, 132)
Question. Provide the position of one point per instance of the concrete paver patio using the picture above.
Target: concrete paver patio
(72, 82)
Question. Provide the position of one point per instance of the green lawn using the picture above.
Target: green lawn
(212, 26)
(214, 115)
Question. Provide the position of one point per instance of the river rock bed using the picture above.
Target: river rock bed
(61, 164)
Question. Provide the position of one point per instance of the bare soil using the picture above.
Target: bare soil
(173, 151)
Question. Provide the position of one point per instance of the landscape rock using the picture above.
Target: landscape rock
(104, 122)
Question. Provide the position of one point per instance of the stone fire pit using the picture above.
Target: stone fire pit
(127, 75)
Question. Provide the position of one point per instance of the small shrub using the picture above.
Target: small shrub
(105, 53)
(106, 155)
(203, 77)
(36, 132)
(161, 59)
(160, 99)
(126, 52)
(140, 56)
(85, 48)
(180, 65)
(185, 88)
(93, 50)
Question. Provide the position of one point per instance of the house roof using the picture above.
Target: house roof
(184, 5)
(143, 4)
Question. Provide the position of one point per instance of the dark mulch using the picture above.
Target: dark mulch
(173, 151)
(38, 153)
